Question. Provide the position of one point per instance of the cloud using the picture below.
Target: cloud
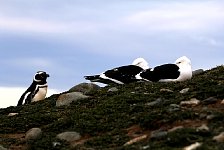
(34, 62)
(105, 34)
(29, 25)
(172, 16)
(8, 99)
(176, 16)
(45, 27)
(210, 41)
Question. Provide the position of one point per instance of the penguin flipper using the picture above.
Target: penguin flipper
(20, 102)
(29, 98)
(25, 95)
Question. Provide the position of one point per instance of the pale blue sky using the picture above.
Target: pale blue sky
(72, 38)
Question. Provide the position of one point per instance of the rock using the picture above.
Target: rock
(192, 146)
(210, 100)
(192, 102)
(198, 71)
(113, 89)
(184, 90)
(66, 99)
(210, 117)
(69, 136)
(33, 134)
(155, 103)
(55, 144)
(202, 116)
(85, 88)
(158, 134)
(222, 102)
(203, 128)
(174, 107)
(146, 147)
(2, 148)
(12, 114)
(175, 128)
(137, 139)
(166, 90)
(219, 138)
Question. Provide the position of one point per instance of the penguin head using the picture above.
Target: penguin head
(141, 62)
(40, 76)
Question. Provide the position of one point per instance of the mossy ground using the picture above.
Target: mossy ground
(108, 120)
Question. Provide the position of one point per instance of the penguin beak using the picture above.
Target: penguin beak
(47, 75)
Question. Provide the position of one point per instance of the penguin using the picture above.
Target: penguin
(37, 90)
(120, 75)
(179, 71)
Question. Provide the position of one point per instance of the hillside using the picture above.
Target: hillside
(159, 116)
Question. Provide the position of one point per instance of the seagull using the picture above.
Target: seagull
(179, 71)
(121, 75)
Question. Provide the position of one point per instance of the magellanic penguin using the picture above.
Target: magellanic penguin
(120, 75)
(37, 90)
(179, 71)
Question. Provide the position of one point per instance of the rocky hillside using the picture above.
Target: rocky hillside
(162, 116)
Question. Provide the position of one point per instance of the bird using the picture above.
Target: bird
(179, 71)
(37, 90)
(120, 75)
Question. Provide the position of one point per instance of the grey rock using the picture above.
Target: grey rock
(85, 88)
(2, 148)
(198, 71)
(146, 147)
(202, 128)
(113, 89)
(158, 134)
(210, 117)
(12, 114)
(219, 138)
(175, 128)
(210, 100)
(66, 99)
(184, 90)
(69, 136)
(137, 139)
(33, 134)
(191, 102)
(222, 102)
(55, 144)
(174, 107)
(193, 146)
(155, 103)
(202, 116)
(166, 90)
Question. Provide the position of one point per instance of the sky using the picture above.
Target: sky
(72, 38)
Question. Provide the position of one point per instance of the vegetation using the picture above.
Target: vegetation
(110, 120)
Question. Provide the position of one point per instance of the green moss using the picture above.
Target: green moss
(106, 116)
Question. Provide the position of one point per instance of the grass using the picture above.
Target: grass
(105, 117)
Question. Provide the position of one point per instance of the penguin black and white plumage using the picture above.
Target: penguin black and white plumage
(120, 75)
(179, 71)
(37, 90)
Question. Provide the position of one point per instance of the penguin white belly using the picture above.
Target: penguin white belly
(41, 94)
